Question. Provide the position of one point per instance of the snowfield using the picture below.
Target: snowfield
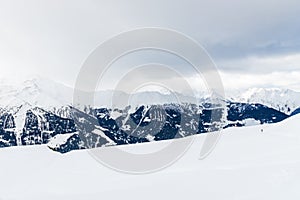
(247, 163)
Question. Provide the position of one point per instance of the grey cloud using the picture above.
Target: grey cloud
(53, 38)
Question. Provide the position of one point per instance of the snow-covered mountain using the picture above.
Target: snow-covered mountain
(40, 111)
(36, 92)
(97, 127)
(245, 164)
(51, 95)
(284, 100)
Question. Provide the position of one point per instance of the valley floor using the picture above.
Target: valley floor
(246, 164)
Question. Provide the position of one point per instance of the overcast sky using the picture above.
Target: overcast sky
(253, 43)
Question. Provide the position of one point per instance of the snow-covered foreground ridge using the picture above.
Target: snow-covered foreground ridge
(246, 164)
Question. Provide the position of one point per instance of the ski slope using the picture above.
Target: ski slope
(245, 164)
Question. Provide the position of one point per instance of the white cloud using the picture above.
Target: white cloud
(238, 81)
(265, 64)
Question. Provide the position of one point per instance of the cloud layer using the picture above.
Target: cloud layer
(256, 42)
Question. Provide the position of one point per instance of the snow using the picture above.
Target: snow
(36, 91)
(284, 100)
(99, 131)
(147, 119)
(59, 139)
(246, 164)
(47, 94)
(115, 114)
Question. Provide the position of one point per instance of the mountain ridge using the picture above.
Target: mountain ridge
(49, 94)
(41, 112)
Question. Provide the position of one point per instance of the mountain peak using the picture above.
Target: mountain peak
(284, 100)
(36, 91)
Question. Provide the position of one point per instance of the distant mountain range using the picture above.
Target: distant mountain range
(283, 100)
(40, 111)
(49, 94)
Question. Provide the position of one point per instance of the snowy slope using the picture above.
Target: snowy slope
(284, 100)
(246, 164)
